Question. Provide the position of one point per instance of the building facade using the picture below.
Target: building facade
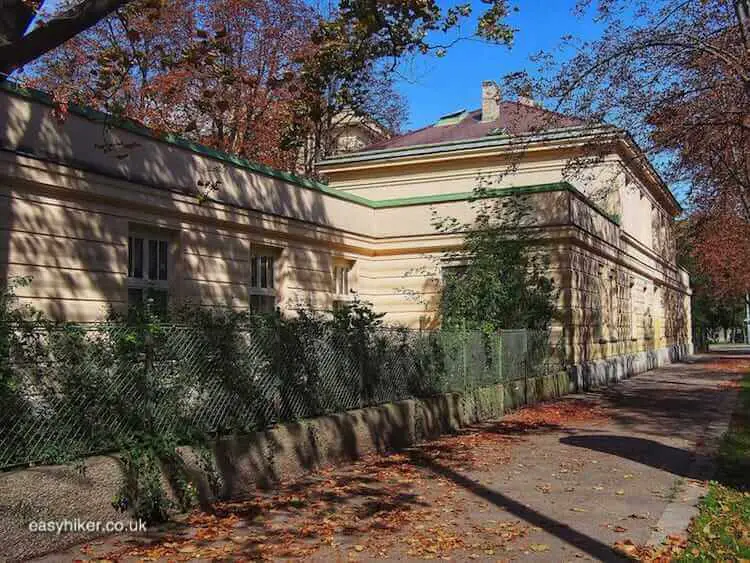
(99, 215)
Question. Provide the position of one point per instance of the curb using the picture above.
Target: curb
(678, 514)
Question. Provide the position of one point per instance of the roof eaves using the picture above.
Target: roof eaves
(648, 165)
(563, 133)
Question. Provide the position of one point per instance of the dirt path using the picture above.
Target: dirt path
(557, 482)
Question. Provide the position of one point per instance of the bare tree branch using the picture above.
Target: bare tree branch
(15, 18)
(20, 50)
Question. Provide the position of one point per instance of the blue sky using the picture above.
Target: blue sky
(436, 86)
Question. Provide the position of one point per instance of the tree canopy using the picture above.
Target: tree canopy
(712, 248)
(676, 75)
(268, 80)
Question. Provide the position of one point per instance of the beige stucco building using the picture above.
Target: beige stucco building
(98, 214)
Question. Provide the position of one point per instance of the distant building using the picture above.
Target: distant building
(349, 133)
(353, 133)
(96, 228)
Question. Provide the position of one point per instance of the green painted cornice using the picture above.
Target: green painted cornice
(305, 183)
(136, 128)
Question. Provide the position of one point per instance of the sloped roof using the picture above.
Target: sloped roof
(515, 118)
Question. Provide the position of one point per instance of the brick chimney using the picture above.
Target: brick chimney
(490, 101)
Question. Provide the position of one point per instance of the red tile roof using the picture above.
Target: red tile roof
(515, 118)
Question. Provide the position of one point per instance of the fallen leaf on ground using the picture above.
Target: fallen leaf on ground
(639, 516)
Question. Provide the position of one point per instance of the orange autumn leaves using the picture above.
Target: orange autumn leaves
(380, 506)
(721, 245)
(556, 414)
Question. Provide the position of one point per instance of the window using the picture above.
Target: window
(342, 286)
(262, 295)
(613, 306)
(453, 272)
(148, 271)
(341, 279)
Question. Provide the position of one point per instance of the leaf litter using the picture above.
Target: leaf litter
(377, 506)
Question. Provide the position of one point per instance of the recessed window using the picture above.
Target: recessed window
(451, 273)
(261, 272)
(148, 271)
(341, 279)
(262, 294)
(342, 283)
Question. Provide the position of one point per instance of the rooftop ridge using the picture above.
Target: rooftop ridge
(484, 140)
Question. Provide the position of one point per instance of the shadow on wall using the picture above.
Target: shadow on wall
(74, 245)
(263, 459)
(614, 312)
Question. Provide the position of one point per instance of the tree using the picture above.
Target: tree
(721, 249)
(498, 280)
(357, 47)
(20, 45)
(676, 74)
(710, 247)
(217, 72)
(267, 80)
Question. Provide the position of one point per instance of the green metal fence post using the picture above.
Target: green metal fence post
(499, 356)
(464, 345)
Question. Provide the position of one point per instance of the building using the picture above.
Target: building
(98, 215)
(353, 133)
(348, 133)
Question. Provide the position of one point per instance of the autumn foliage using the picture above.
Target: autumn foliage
(216, 72)
(268, 80)
(722, 251)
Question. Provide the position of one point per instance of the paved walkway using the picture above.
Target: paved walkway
(560, 482)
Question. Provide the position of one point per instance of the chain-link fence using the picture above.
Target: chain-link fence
(79, 389)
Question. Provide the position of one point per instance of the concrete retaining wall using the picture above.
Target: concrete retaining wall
(599, 373)
(261, 459)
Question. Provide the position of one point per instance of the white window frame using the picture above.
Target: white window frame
(256, 259)
(146, 282)
(342, 280)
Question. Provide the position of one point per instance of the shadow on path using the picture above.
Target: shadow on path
(584, 543)
(676, 402)
(642, 450)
